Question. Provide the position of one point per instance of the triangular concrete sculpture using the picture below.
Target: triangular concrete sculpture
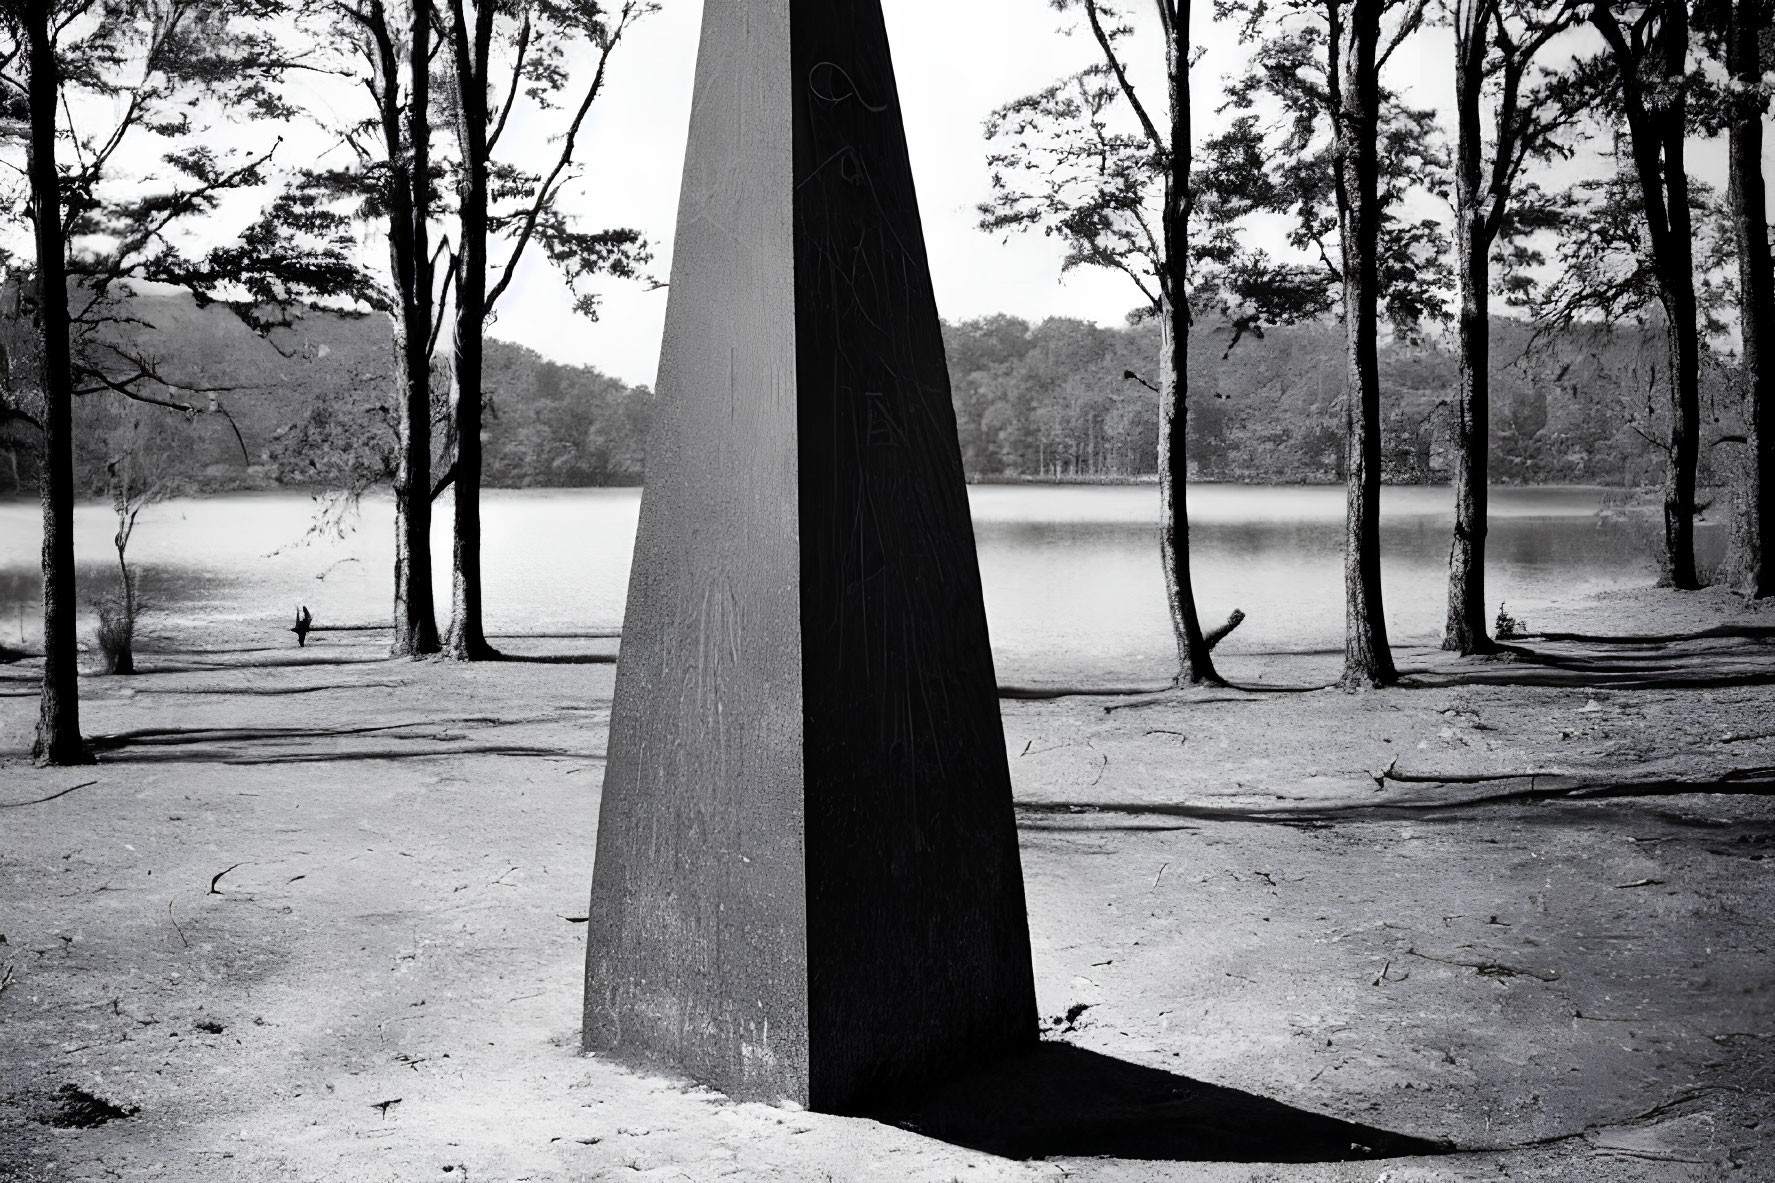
(807, 881)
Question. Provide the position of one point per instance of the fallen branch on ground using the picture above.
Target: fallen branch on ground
(178, 736)
(1179, 694)
(1453, 778)
(1542, 785)
(1740, 781)
(389, 754)
(20, 804)
(257, 691)
(1492, 969)
(175, 920)
(1161, 699)
(1038, 693)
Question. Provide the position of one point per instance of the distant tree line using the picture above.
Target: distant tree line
(1044, 401)
(1049, 401)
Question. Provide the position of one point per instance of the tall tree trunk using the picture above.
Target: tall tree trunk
(1652, 78)
(1677, 277)
(1684, 348)
(466, 640)
(1368, 661)
(409, 148)
(1195, 661)
(1465, 631)
(1657, 129)
(58, 721)
(1755, 528)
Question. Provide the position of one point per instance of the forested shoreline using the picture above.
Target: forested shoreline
(1042, 401)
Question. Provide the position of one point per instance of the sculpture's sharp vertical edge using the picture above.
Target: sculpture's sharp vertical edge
(918, 943)
(696, 942)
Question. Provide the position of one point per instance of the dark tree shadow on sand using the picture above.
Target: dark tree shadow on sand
(1059, 1100)
(1722, 657)
(1710, 659)
(1745, 632)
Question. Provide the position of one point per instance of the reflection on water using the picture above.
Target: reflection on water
(1073, 587)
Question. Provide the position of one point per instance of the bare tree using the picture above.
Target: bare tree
(136, 476)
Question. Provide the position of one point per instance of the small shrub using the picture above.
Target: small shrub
(1507, 627)
(117, 632)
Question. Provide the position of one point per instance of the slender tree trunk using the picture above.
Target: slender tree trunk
(1465, 631)
(1755, 527)
(1195, 661)
(415, 614)
(1368, 661)
(466, 640)
(1683, 345)
(1677, 275)
(126, 655)
(58, 721)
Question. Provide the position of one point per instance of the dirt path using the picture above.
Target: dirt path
(315, 921)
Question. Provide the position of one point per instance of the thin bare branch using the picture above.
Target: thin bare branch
(1160, 147)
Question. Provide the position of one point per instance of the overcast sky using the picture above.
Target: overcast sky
(956, 61)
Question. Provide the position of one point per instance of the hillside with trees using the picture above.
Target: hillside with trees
(1033, 401)
(311, 407)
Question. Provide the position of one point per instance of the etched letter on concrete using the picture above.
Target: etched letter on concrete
(807, 882)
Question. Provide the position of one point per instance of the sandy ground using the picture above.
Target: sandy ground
(312, 918)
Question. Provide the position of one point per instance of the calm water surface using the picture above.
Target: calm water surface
(1073, 587)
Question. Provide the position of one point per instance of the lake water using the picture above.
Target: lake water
(1073, 587)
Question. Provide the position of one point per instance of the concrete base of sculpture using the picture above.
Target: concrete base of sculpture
(807, 882)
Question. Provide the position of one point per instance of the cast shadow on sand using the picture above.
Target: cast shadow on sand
(1058, 1100)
